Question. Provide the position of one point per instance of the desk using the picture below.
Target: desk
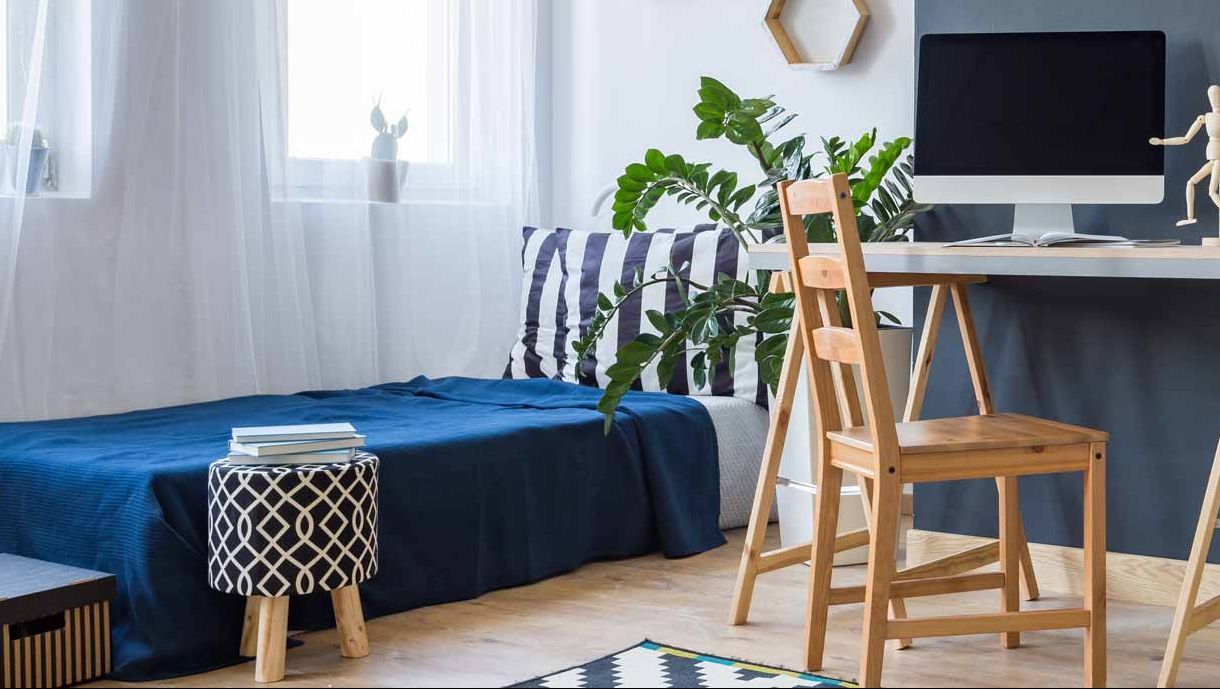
(1117, 338)
(1176, 262)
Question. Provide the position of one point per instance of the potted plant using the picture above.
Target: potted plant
(39, 153)
(885, 212)
(706, 329)
(383, 165)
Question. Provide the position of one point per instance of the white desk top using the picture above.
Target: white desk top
(1183, 262)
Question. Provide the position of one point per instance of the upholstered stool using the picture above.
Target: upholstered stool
(290, 530)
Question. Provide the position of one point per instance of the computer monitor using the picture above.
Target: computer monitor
(1041, 120)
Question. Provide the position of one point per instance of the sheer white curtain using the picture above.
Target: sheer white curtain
(194, 267)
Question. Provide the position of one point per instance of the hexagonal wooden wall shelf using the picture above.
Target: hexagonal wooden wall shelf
(816, 34)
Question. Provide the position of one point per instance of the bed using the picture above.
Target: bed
(741, 433)
(485, 484)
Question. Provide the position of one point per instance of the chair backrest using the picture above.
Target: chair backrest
(833, 349)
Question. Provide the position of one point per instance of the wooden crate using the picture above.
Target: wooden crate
(54, 623)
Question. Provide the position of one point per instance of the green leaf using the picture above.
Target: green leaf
(755, 107)
(713, 92)
(655, 161)
(625, 182)
(657, 319)
(640, 173)
(626, 195)
(708, 112)
(709, 130)
(743, 194)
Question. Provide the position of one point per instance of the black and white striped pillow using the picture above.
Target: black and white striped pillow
(565, 270)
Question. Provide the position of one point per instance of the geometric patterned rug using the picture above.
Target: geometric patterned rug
(655, 665)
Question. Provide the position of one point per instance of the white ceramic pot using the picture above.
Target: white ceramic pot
(386, 179)
(796, 506)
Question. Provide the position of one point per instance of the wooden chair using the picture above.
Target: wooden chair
(889, 454)
(1189, 618)
(756, 561)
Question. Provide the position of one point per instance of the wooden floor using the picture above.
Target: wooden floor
(514, 635)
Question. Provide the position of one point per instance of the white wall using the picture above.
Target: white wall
(625, 74)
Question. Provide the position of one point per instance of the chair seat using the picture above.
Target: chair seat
(970, 433)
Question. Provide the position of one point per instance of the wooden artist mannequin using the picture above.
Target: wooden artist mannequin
(1211, 168)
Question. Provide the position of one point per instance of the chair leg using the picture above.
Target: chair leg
(1010, 553)
(764, 493)
(1095, 567)
(825, 529)
(898, 606)
(249, 628)
(887, 508)
(272, 639)
(1194, 577)
(349, 622)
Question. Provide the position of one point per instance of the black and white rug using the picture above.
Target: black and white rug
(655, 665)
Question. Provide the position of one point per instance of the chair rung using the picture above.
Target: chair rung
(1203, 615)
(959, 625)
(923, 587)
(957, 563)
(796, 554)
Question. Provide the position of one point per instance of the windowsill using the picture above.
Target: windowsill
(317, 200)
(51, 195)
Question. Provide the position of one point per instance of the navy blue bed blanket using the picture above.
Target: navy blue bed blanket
(484, 484)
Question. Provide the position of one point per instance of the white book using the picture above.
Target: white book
(312, 431)
(293, 448)
(1062, 239)
(330, 457)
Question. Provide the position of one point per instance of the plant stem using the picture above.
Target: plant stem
(731, 219)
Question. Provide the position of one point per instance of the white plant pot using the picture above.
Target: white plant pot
(796, 506)
(386, 179)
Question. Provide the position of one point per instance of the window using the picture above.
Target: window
(344, 57)
(64, 113)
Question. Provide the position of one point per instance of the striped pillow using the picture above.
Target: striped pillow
(565, 270)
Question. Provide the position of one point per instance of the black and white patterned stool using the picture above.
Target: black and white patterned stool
(283, 530)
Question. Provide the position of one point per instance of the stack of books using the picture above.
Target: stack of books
(319, 443)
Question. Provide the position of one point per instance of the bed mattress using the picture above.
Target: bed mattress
(741, 433)
(484, 484)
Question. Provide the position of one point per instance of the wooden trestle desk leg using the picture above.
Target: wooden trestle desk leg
(764, 493)
(753, 560)
(982, 391)
(1189, 618)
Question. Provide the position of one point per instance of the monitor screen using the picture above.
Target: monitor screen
(1040, 104)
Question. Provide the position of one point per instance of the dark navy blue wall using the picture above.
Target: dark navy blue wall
(1139, 358)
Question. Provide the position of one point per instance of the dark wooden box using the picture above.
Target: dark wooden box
(54, 623)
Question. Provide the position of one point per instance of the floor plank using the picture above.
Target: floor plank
(513, 635)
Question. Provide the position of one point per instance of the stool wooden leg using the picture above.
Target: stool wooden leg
(272, 639)
(349, 621)
(249, 628)
(1010, 554)
(1194, 577)
(764, 492)
(1095, 567)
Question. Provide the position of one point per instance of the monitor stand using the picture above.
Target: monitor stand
(1036, 219)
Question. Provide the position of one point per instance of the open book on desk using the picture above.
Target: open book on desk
(1062, 239)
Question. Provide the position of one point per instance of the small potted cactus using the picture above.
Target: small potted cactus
(384, 166)
(39, 152)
